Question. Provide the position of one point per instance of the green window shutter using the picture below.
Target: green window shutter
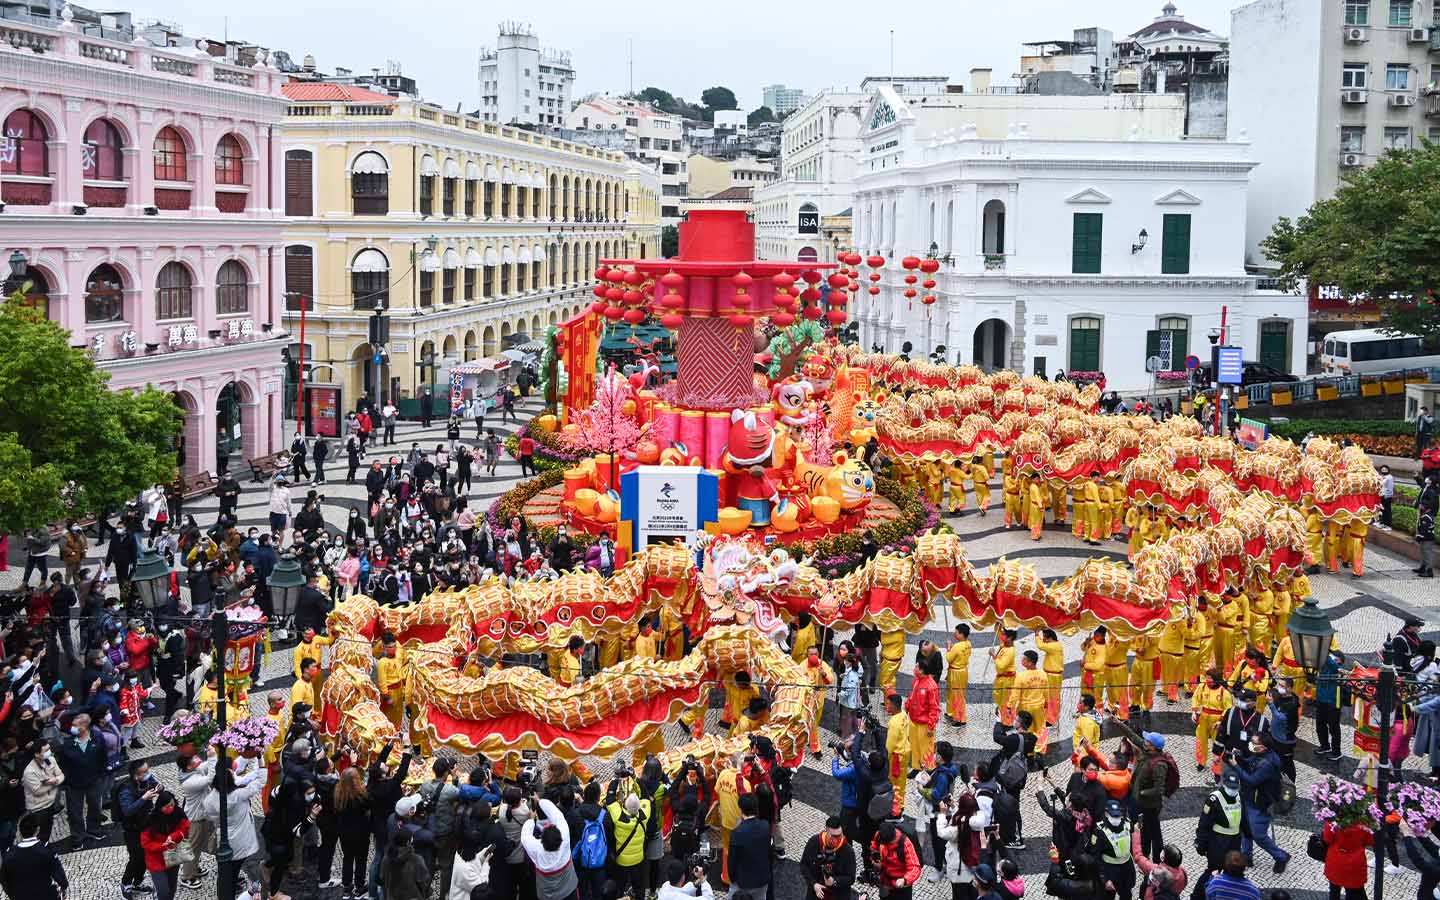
(1084, 345)
(1085, 249)
(1175, 245)
(1179, 349)
(1152, 343)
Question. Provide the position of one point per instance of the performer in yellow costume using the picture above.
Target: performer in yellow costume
(1284, 605)
(1104, 511)
(738, 694)
(389, 673)
(1049, 644)
(957, 472)
(1142, 673)
(647, 645)
(934, 473)
(1030, 691)
(1355, 534)
(672, 634)
(1035, 508)
(1117, 678)
(821, 677)
(1211, 700)
(1333, 533)
(897, 745)
(1092, 662)
(892, 650)
(980, 478)
(957, 674)
(1010, 487)
(806, 636)
(1227, 619)
(1285, 665)
(1058, 494)
(1082, 509)
(1314, 539)
(1172, 657)
(1199, 643)
(1004, 656)
(1094, 507)
(1262, 611)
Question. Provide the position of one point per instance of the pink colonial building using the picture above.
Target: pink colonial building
(143, 185)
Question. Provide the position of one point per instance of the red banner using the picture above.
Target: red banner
(579, 346)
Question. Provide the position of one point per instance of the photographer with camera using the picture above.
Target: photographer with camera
(684, 879)
(849, 768)
(896, 860)
(1260, 780)
(828, 863)
(690, 801)
(935, 790)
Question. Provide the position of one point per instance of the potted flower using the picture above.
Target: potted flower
(1417, 804)
(187, 732)
(1343, 803)
(248, 737)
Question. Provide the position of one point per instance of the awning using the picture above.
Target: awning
(472, 171)
(427, 166)
(525, 179)
(370, 163)
(452, 259)
(536, 347)
(507, 175)
(473, 259)
(491, 259)
(507, 256)
(430, 262)
(524, 256)
(537, 253)
(490, 173)
(519, 356)
(452, 169)
(370, 260)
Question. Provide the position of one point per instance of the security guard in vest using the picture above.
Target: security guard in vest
(1220, 827)
(1110, 843)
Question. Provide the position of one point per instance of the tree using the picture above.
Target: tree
(759, 116)
(669, 241)
(605, 426)
(1378, 237)
(661, 99)
(717, 98)
(62, 431)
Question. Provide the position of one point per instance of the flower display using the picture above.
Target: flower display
(248, 737)
(1417, 804)
(1343, 803)
(193, 728)
(1172, 377)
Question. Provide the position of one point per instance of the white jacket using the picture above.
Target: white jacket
(280, 499)
(194, 787)
(466, 875)
(243, 842)
(955, 869)
(39, 795)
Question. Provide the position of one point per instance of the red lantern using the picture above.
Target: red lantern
(742, 300)
(929, 266)
(614, 294)
(613, 313)
(672, 280)
(782, 318)
(929, 284)
(741, 321)
(741, 280)
(875, 261)
(838, 298)
(672, 301)
(813, 312)
(811, 294)
(874, 276)
(853, 286)
(911, 279)
(672, 321)
(874, 291)
(634, 278)
(598, 307)
(812, 276)
(911, 262)
(599, 290)
(634, 316)
(632, 297)
(928, 299)
(853, 259)
(910, 293)
(836, 316)
(838, 281)
(615, 276)
(600, 273)
(782, 280)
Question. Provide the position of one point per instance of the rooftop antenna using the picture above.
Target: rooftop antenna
(632, 66)
(892, 57)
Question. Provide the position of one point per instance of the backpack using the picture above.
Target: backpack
(1013, 773)
(784, 791)
(592, 850)
(1005, 807)
(1172, 772)
(882, 801)
(1284, 800)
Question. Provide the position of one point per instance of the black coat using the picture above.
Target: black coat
(311, 609)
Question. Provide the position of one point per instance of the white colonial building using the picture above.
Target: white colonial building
(818, 151)
(1062, 254)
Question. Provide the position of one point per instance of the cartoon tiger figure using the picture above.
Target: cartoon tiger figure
(862, 427)
(848, 482)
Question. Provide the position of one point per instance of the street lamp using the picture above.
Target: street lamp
(1310, 633)
(286, 581)
(224, 853)
(1141, 239)
(934, 253)
(19, 268)
(151, 578)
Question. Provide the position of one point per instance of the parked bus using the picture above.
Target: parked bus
(1370, 350)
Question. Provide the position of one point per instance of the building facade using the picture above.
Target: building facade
(143, 185)
(1062, 255)
(711, 176)
(782, 100)
(1367, 86)
(654, 138)
(522, 83)
(470, 235)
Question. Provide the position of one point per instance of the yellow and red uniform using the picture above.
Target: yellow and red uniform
(1081, 511)
(1227, 619)
(1206, 707)
(389, 673)
(1004, 674)
(805, 638)
(922, 708)
(897, 745)
(1010, 491)
(1035, 508)
(1172, 657)
(1142, 673)
(737, 700)
(1092, 668)
(956, 474)
(821, 676)
(1199, 646)
(957, 679)
(892, 650)
(1117, 678)
(1054, 666)
(1029, 692)
(980, 478)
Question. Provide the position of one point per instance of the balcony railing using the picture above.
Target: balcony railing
(994, 262)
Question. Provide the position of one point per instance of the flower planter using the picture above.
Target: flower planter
(185, 748)
(1393, 386)
(1369, 388)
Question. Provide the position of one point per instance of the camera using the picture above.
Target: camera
(841, 748)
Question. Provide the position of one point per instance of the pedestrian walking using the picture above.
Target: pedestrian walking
(320, 452)
(352, 458)
(299, 453)
(389, 415)
(1425, 508)
(1387, 496)
(527, 455)
(37, 549)
(507, 402)
(1424, 430)
(477, 412)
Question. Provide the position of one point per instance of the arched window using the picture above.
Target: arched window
(37, 291)
(229, 161)
(170, 156)
(370, 279)
(370, 184)
(104, 296)
(173, 292)
(103, 153)
(232, 289)
(22, 146)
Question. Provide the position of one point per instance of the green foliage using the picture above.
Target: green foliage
(759, 116)
(1296, 429)
(717, 98)
(550, 369)
(60, 424)
(667, 102)
(1402, 518)
(1379, 236)
(669, 241)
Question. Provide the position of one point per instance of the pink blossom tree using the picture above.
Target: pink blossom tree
(605, 425)
(815, 436)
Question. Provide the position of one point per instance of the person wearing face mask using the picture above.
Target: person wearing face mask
(1110, 842)
(135, 798)
(12, 794)
(312, 608)
(170, 665)
(162, 840)
(1260, 781)
(41, 781)
(1210, 703)
(82, 760)
(1219, 831)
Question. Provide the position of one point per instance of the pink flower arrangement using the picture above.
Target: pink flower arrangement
(1343, 803)
(194, 728)
(1417, 804)
(1083, 377)
(1172, 376)
(252, 736)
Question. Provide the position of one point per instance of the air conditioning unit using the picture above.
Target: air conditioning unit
(1359, 96)
(1350, 160)
(1419, 35)
(1354, 35)
(1402, 99)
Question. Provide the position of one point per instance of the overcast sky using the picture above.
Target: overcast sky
(683, 47)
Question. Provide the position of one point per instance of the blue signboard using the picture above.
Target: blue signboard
(1230, 368)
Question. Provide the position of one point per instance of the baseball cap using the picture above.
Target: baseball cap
(406, 806)
(1156, 740)
(984, 874)
(1230, 780)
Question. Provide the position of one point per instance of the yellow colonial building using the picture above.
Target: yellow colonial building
(470, 235)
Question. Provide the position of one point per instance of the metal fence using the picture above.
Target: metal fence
(1345, 386)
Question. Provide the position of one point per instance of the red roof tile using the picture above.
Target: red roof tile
(320, 91)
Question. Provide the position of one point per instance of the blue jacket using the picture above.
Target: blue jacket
(940, 781)
(1327, 689)
(85, 767)
(1259, 779)
(849, 777)
(134, 808)
(469, 793)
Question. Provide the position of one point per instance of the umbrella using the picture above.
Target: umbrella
(518, 356)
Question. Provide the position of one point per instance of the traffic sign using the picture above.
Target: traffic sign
(1230, 367)
(1192, 362)
(1153, 364)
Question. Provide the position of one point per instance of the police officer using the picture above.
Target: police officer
(1241, 722)
(1110, 843)
(1219, 830)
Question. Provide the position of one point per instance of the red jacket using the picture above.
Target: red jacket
(138, 647)
(1345, 860)
(153, 843)
(900, 860)
(923, 705)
